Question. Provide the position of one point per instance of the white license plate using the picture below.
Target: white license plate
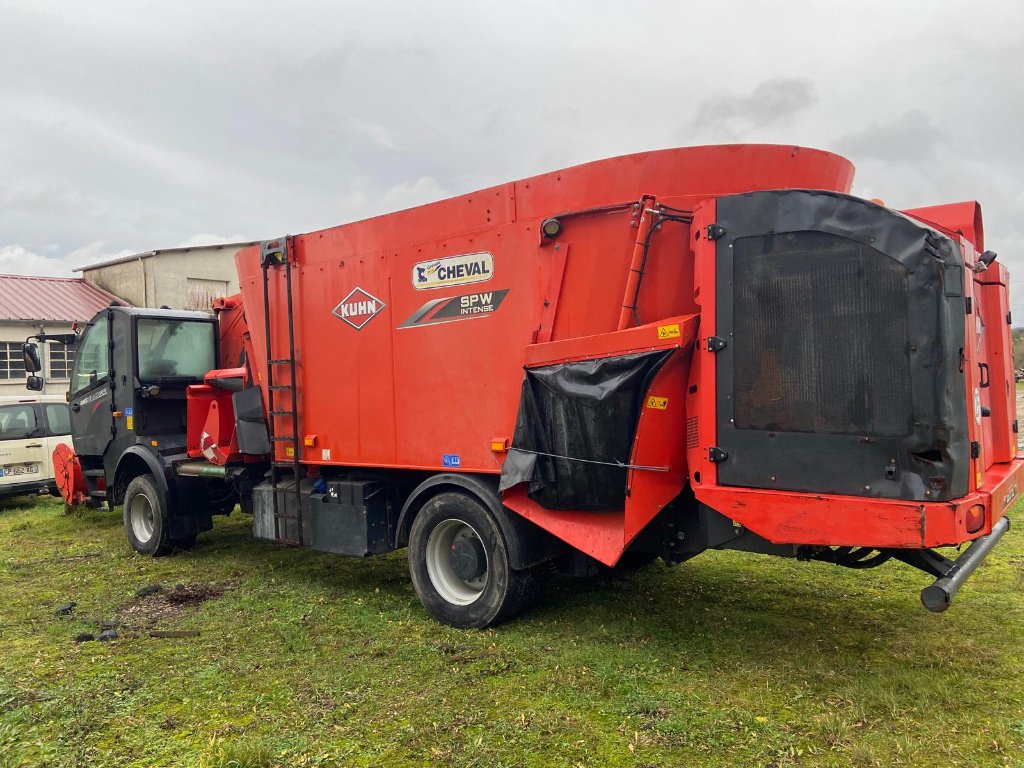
(19, 469)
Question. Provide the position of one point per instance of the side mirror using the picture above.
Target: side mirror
(34, 383)
(30, 353)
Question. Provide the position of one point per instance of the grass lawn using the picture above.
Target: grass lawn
(308, 659)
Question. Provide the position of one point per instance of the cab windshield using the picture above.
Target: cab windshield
(174, 349)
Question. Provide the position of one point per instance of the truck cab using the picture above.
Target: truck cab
(127, 400)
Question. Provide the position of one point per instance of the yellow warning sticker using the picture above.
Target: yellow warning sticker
(668, 331)
(658, 403)
(129, 421)
(289, 452)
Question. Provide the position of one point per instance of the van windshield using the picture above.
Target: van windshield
(175, 349)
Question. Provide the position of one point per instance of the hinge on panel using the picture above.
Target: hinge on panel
(1009, 318)
(970, 305)
(274, 251)
(715, 231)
(1014, 426)
(975, 449)
(716, 344)
(717, 455)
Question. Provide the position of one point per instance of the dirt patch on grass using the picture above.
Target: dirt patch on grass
(155, 610)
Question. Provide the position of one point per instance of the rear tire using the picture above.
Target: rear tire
(460, 566)
(145, 517)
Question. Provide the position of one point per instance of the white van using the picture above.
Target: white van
(30, 428)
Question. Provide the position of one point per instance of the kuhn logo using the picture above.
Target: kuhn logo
(358, 308)
(453, 270)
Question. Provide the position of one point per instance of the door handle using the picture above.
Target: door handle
(76, 407)
(34, 445)
(983, 369)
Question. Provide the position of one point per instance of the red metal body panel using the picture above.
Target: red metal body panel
(210, 430)
(658, 456)
(412, 331)
(394, 394)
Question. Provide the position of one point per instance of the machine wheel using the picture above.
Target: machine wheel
(460, 566)
(145, 517)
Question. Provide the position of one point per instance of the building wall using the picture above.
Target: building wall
(128, 280)
(173, 271)
(15, 332)
(170, 278)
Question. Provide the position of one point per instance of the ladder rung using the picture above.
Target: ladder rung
(290, 542)
(282, 438)
(94, 473)
(280, 386)
(282, 413)
(287, 516)
(280, 362)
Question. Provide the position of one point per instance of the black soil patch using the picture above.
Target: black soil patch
(154, 611)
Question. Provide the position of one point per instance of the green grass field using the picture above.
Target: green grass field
(306, 659)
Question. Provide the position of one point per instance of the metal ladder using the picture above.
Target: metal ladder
(274, 254)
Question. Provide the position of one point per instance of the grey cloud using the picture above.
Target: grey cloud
(910, 139)
(771, 102)
(142, 127)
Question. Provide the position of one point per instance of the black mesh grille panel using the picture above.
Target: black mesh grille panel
(821, 336)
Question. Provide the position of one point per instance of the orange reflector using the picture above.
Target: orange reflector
(499, 444)
(975, 518)
(117, 414)
(153, 443)
(309, 440)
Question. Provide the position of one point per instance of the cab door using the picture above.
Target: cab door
(90, 391)
(22, 445)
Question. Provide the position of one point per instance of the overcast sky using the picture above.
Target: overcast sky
(129, 126)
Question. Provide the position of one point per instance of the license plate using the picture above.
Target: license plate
(19, 469)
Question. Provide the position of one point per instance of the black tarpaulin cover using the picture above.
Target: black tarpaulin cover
(572, 415)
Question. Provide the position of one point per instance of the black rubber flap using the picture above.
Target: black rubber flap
(250, 423)
(575, 430)
(843, 372)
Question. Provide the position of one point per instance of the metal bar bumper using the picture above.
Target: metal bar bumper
(938, 596)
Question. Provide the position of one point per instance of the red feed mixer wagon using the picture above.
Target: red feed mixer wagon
(646, 356)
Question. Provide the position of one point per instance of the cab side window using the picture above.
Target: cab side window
(58, 418)
(92, 358)
(17, 422)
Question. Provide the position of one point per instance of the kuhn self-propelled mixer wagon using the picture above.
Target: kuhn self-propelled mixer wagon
(647, 356)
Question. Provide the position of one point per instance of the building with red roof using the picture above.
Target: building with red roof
(30, 305)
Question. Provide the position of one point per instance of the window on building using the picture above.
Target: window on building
(62, 356)
(12, 365)
(200, 293)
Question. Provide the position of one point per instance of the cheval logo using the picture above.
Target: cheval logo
(453, 270)
(358, 308)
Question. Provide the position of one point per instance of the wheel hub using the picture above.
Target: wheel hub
(468, 559)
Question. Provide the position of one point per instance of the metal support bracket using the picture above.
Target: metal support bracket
(715, 231)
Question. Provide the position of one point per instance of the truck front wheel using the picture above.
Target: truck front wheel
(460, 566)
(145, 517)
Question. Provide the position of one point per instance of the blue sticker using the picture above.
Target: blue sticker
(128, 412)
(451, 460)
